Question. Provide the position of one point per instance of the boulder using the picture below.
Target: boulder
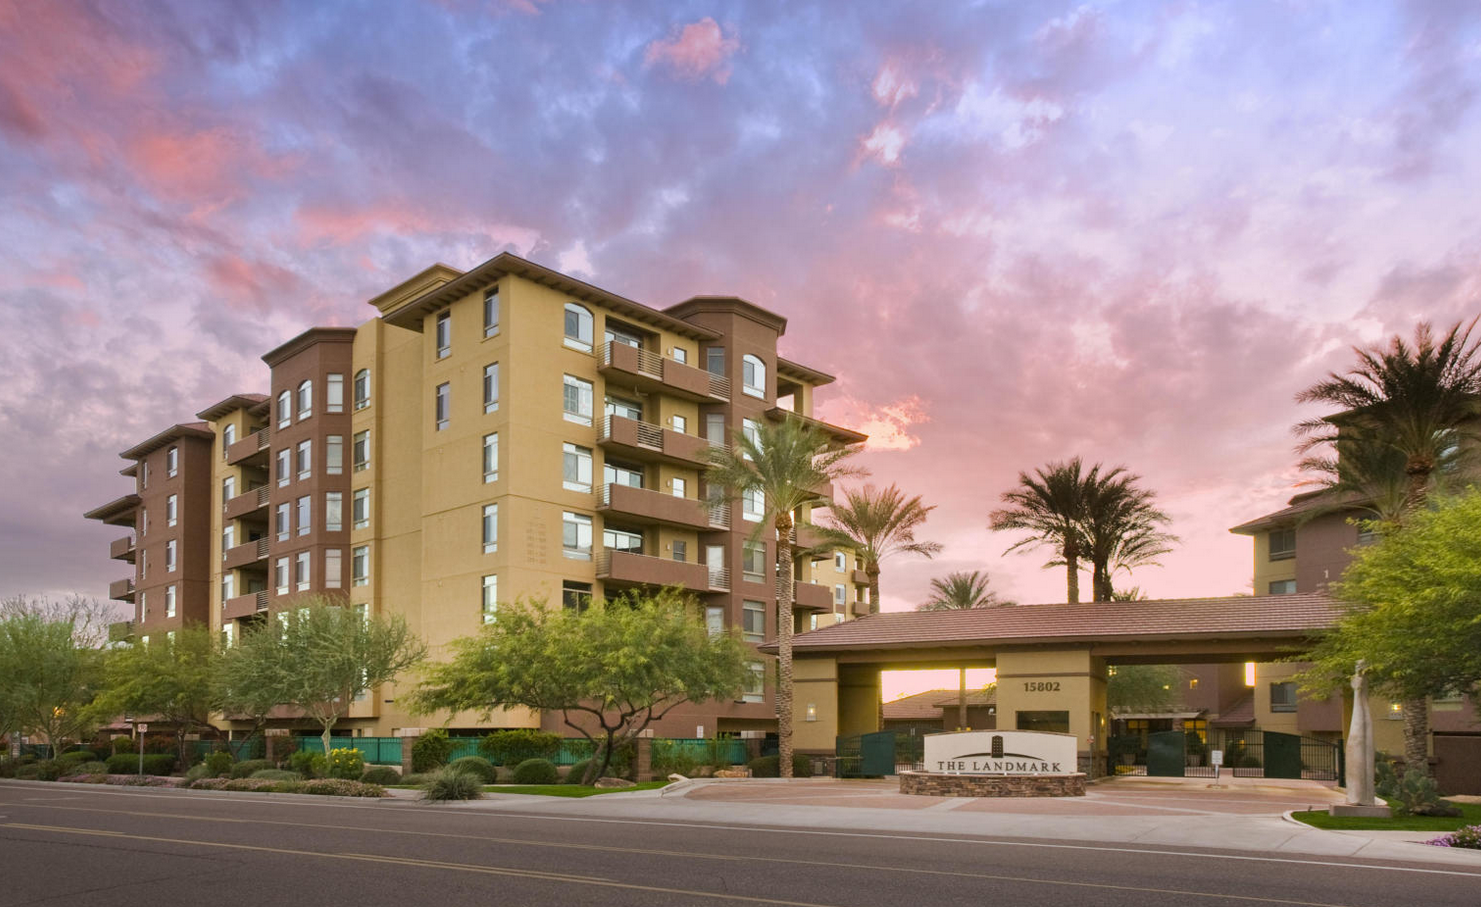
(614, 782)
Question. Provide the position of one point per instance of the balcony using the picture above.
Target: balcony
(640, 505)
(251, 449)
(121, 590)
(860, 609)
(859, 578)
(809, 595)
(245, 554)
(247, 503)
(122, 549)
(653, 443)
(641, 370)
(627, 568)
(719, 578)
(244, 605)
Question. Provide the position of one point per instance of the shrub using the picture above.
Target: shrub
(476, 765)
(511, 747)
(275, 774)
(310, 765)
(1414, 794)
(7, 767)
(451, 784)
(124, 745)
(1468, 837)
(128, 764)
(92, 768)
(771, 766)
(339, 787)
(27, 771)
(51, 770)
(381, 774)
(77, 757)
(418, 779)
(577, 771)
(247, 767)
(345, 764)
(284, 746)
(430, 751)
(670, 757)
(536, 771)
(197, 772)
(219, 763)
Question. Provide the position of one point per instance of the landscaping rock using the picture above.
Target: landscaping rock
(609, 783)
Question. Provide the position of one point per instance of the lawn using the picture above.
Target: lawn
(567, 790)
(1470, 815)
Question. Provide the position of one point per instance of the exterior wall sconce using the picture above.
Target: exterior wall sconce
(812, 712)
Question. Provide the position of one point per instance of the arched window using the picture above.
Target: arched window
(228, 436)
(305, 399)
(362, 388)
(285, 409)
(578, 327)
(753, 376)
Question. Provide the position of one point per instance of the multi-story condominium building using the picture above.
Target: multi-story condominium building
(503, 433)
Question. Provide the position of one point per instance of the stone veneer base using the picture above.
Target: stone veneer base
(931, 784)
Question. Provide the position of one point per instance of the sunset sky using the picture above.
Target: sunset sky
(1016, 232)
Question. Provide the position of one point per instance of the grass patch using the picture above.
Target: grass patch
(567, 790)
(1470, 815)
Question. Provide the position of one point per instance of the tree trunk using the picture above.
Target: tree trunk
(1416, 736)
(1072, 574)
(325, 738)
(784, 643)
(606, 760)
(1100, 583)
(872, 569)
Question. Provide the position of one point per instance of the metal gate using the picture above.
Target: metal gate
(865, 755)
(1282, 755)
(1165, 754)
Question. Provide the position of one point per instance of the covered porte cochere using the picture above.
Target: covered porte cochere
(1052, 660)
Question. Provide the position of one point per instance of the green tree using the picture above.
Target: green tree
(621, 666)
(877, 523)
(1419, 403)
(51, 679)
(786, 462)
(320, 656)
(1120, 527)
(961, 591)
(1050, 506)
(1144, 689)
(170, 679)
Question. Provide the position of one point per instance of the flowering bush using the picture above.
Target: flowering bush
(1468, 837)
(346, 764)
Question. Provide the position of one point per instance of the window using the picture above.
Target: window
(715, 429)
(622, 540)
(678, 487)
(578, 327)
(624, 335)
(753, 561)
(679, 424)
(228, 488)
(490, 311)
(228, 437)
(144, 611)
(840, 594)
(680, 354)
(715, 360)
(715, 620)
(301, 570)
(840, 561)
(228, 538)
(360, 450)
(753, 628)
(490, 587)
(753, 376)
(443, 404)
(753, 505)
(1283, 696)
(490, 528)
(172, 461)
(170, 600)
(334, 502)
(334, 393)
(575, 468)
(143, 474)
(360, 508)
(285, 409)
(305, 459)
(229, 634)
(143, 521)
(170, 556)
(305, 514)
(444, 334)
(681, 550)
(334, 454)
(305, 400)
(285, 467)
(228, 585)
(169, 637)
(576, 535)
(333, 568)
(280, 575)
(491, 387)
(1283, 587)
(362, 388)
(491, 458)
(1282, 544)
(622, 474)
(755, 690)
(577, 399)
(751, 430)
(282, 523)
(143, 564)
(172, 510)
(616, 406)
(575, 596)
(360, 565)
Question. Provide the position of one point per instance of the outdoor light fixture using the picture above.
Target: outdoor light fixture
(812, 711)
(1249, 673)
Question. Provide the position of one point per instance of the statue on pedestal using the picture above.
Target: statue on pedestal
(1360, 743)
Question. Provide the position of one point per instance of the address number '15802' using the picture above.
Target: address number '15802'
(1041, 686)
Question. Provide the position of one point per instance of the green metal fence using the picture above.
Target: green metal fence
(254, 748)
(376, 750)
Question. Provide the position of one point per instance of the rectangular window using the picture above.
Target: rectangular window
(360, 450)
(172, 461)
(1282, 544)
(362, 388)
(1283, 696)
(491, 387)
(285, 409)
(333, 568)
(229, 634)
(840, 594)
(622, 540)
(678, 487)
(305, 459)
(143, 564)
(715, 360)
(443, 405)
(285, 467)
(490, 311)
(170, 600)
(577, 400)
(755, 690)
(753, 376)
(490, 528)
(620, 474)
(753, 505)
(575, 596)
(679, 424)
(143, 521)
(1049, 722)
(491, 458)
(753, 561)
(715, 620)
(681, 550)
(360, 508)
(575, 468)
(751, 431)
(305, 515)
(334, 393)
(144, 610)
(715, 429)
(334, 502)
(172, 512)
(680, 354)
(228, 438)
(1283, 587)
(444, 334)
(754, 627)
(282, 526)
(490, 598)
(305, 400)
(360, 565)
(840, 561)
(143, 474)
(228, 538)
(170, 556)
(228, 586)
(301, 570)
(280, 575)
(334, 455)
(228, 488)
(627, 409)
(576, 536)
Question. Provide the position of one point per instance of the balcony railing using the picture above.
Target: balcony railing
(659, 373)
(247, 502)
(809, 595)
(244, 605)
(245, 554)
(719, 516)
(249, 446)
(632, 568)
(645, 440)
(719, 579)
(652, 506)
(122, 549)
(121, 590)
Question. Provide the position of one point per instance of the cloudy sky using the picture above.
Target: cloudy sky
(1015, 231)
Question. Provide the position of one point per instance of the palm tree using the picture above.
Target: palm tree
(1050, 506)
(962, 591)
(1120, 528)
(786, 462)
(878, 523)
(1419, 405)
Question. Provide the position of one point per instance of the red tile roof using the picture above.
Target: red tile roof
(928, 705)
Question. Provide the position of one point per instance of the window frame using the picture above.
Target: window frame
(442, 405)
(334, 511)
(489, 598)
(305, 398)
(360, 565)
(491, 457)
(442, 334)
(753, 368)
(1283, 553)
(584, 318)
(491, 387)
(585, 393)
(490, 527)
(579, 455)
(491, 311)
(580, 522)
(285, 408)
(334, 392)
(360, 508)
(360, 389)
(1288, 701)
(361, 439)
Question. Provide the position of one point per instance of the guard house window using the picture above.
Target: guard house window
(334, 511)
(305, 515)
(283, 518)
(577, 400)
(754, 616)
(334, 454)
(170, 556)
(360, 565)
(172, 461)
(753, 376)
(490, 594)
(715, 360)
(576, 536)
(443, 404)
(362, 388)
(1282, 544)
(753, 561)
(575, 468)
(755, 689)
(444, 334)
(170, 600)
(1283, 587)
(360, 450)
(172, 510)
(334, 393)
(575, 596)
(360, 508)
(490, 528)
(491, 458)
(228, 438)
(285, 409)
(1283, 696)
(578, 327)
(301, 570)
(491, 387)
(305, 459)
(305, 400)
(490, 311)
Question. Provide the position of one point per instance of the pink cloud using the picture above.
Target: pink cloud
(885, 144)
(251, 285)
(697, 50)
(207, 166)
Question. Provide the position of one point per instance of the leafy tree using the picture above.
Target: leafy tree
(962, 591)
(787, 462)
(89, 617)
(1139, 689)
(621, 666)
(172, 680)
(877, 523)
(1419, 403)
(1120, 527)
(50, 680)
(319, 656)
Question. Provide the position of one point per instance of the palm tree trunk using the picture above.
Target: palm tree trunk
(872, 569)
(1072, 574)
(1416, 736)
(784, 643)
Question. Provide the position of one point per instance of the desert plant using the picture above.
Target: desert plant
(476, 765)
(199, 771)
(430, 751)
(669, 757)
(511, 747)
(577, 772)
(346, 764)
(248, 767)
(219, 763)
(51, 770)
(310, 765)
(771, 766)
(275, 774)
(418, 779)
(382, 775)
(339, 787)
(27, 771)
(1468, 837)
(536, 771)
(451, 784)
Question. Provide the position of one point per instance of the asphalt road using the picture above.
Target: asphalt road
(76, 845)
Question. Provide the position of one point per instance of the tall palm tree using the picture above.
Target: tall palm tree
(1050, 506)
(878, 523)
(1120, 528)
(1418, 403)
(786, 462)
(962, 591)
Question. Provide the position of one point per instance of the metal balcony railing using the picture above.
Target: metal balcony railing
(648, 363)
(720, 516)
(719, 387)
(719, 578)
